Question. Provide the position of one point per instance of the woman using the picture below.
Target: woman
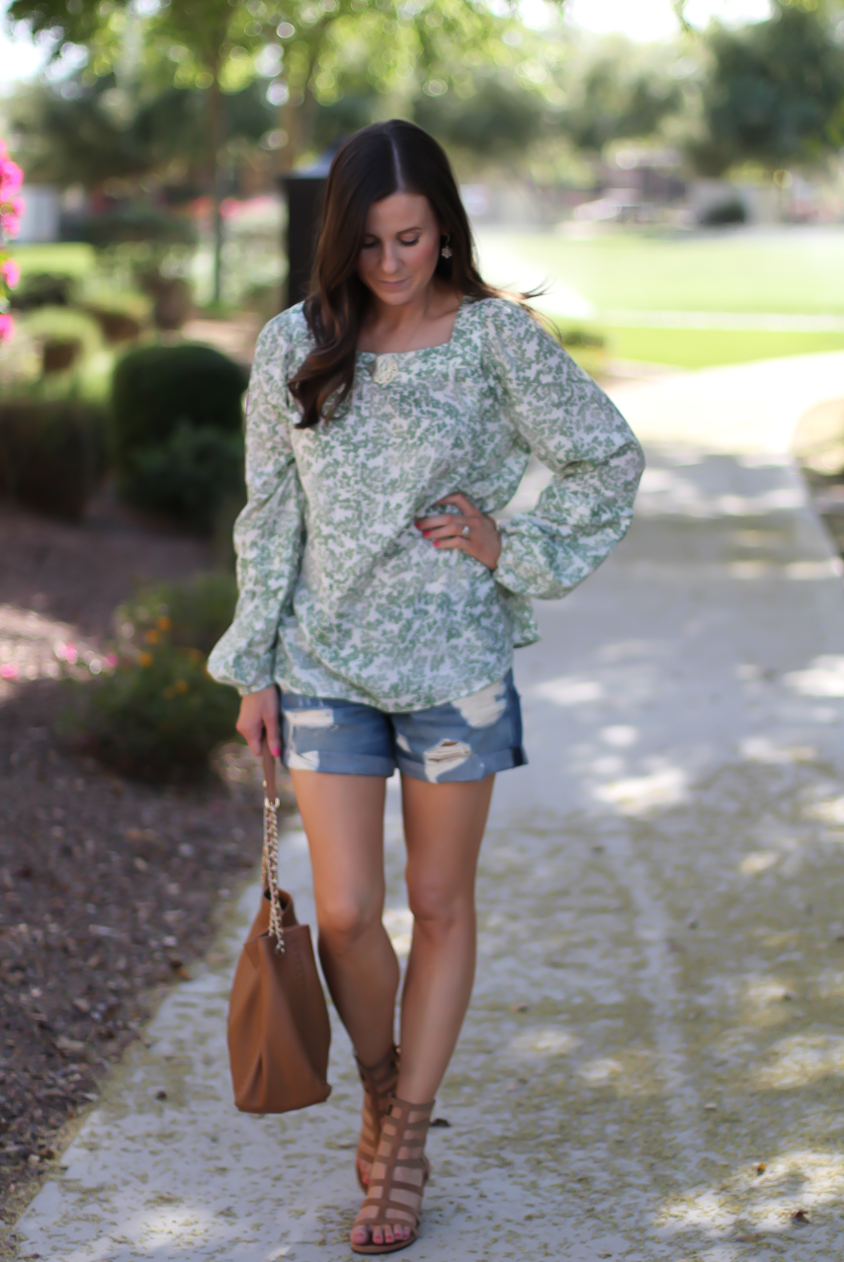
(388, 416)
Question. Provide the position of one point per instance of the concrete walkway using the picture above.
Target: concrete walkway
(652, 1065)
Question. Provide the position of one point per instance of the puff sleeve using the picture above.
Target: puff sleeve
(579, 434)
(269, 533)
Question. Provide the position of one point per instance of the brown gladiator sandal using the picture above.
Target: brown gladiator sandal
(379, 1083)
(396, 1201)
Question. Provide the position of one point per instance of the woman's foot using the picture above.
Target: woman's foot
(379, 1083)
(389, 1217)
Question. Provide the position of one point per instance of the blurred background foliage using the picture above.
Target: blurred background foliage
(774, 92)
(174, 109)
(155, 714)
(169, 117)
(176, 91)
(139, 53)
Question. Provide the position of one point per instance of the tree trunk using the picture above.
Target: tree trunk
(289, 123)
(215, 142)
(296, 115)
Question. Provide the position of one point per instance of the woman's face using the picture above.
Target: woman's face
(400, 248)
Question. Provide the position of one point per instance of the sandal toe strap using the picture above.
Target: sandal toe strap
(404, 1128)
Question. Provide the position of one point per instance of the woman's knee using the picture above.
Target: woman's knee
(438, 909)
(344, 919)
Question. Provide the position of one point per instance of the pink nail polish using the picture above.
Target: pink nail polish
(275, 750)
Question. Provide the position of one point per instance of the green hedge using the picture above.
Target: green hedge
(52, 454)
(726, 212)
(42, 289)
(189, 476)
(177, 431)
(156, 387)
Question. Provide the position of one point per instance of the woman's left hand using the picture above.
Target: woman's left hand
(470, 530)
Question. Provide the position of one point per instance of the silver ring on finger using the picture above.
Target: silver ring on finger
(465, 531)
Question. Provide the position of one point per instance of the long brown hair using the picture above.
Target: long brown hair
(376, 162)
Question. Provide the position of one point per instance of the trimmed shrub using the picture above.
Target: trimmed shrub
(724, 213)
(42, 289)
(156, 387)
(52, 454)
(58, 354)
(48, 324)
(134, 222)
(579, 338)
(115, 325)
(191, 615)
(177, 428)
(187, 477)
(157, 716)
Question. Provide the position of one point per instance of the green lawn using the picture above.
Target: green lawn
(705, 348)
(788, 272)
(70, 258)
(784, 270)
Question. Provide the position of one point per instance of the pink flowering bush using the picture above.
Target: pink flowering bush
(10, 272)
(11, 208)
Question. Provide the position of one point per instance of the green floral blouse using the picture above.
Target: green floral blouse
(340, 594)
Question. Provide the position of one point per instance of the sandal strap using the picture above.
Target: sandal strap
(402, 1130)
(380, 1079)
(379, 1083)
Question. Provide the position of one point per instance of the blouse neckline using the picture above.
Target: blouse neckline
(367, 356)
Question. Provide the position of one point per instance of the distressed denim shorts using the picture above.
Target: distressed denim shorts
(466, 739)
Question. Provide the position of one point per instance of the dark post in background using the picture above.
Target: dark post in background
(304, 192)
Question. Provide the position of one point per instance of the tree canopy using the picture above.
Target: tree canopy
(313, 47)
(305, 45)
(89, 133)
(619, 95)
(775, 92)
(192, 75)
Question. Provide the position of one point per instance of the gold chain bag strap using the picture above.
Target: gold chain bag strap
(278, 1028)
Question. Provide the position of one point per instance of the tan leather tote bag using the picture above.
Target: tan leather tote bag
(278, 1029)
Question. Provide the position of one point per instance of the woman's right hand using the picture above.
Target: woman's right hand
(259, 714)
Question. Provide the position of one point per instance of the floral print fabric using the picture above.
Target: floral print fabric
(340, 594)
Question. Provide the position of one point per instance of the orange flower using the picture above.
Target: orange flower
(163, 624)
(181, 685)
(145, 659)
(152, 636)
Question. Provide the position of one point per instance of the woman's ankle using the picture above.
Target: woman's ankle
(369, 1064)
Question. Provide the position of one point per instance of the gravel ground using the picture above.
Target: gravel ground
(108, 889)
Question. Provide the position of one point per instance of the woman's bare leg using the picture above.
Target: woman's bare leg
(444, 826)
(344, 823)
